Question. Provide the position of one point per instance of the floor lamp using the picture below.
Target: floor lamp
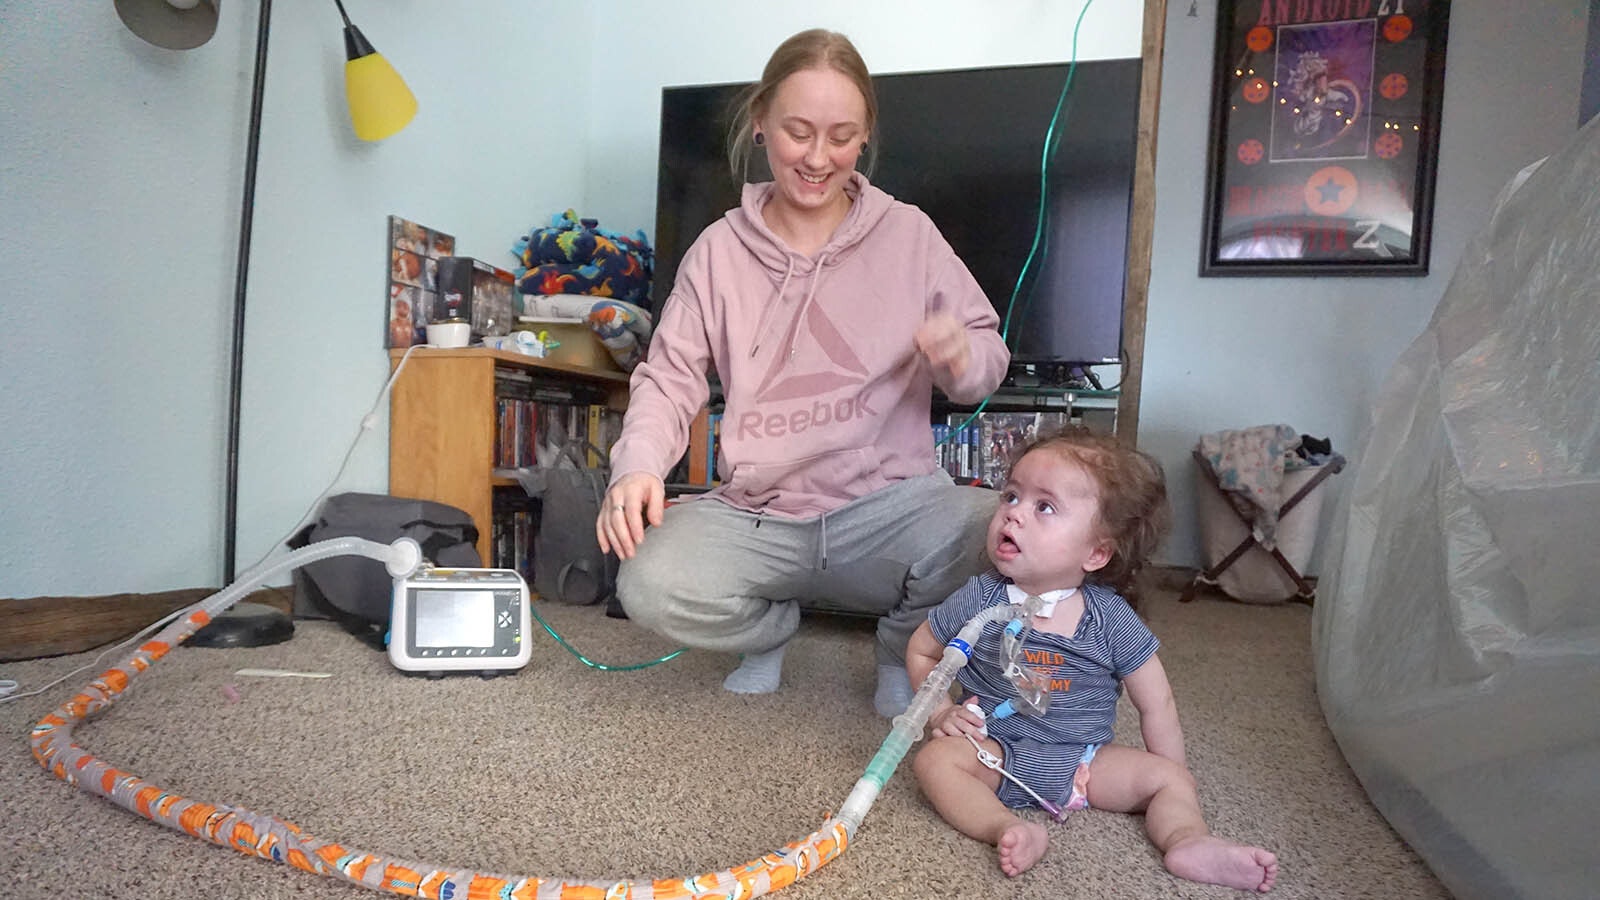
(380, 105)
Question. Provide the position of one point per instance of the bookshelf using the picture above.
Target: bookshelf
(696, 471)
(978, 446)
(445, 422)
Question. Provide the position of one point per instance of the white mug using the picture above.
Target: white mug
(454, 333)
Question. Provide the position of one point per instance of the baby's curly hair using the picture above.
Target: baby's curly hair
(1134, 513)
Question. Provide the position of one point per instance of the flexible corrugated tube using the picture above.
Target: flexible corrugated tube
(259, 834)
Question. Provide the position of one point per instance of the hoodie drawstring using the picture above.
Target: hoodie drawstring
(805, 304)
(811, 293)
(761, 328)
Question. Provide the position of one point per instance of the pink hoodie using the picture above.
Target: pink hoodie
(827, 397)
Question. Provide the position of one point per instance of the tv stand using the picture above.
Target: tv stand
(1059, 375)
(1097, 409)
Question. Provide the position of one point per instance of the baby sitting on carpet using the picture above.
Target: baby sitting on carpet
(1076, 505)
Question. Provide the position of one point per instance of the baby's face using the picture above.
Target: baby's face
(1045, 535)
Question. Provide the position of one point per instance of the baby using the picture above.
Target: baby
(1076, 506)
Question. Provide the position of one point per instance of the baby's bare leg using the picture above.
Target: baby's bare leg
(963, 791)
(1126, 779)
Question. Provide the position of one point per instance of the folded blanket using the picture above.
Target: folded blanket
(623, 328)
(1249, 466)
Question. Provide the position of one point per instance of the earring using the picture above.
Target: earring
(759, 139)
(863, 146)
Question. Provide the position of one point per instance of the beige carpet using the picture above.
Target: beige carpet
(563, 771)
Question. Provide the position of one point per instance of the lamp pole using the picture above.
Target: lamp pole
(230, 534)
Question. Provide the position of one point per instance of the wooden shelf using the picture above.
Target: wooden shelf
(532, 363)
(442, 427)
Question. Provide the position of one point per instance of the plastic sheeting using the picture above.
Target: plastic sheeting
(1458, 637)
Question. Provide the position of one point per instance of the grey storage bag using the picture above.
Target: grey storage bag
(567, 563)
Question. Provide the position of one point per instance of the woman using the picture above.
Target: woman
(830, 312)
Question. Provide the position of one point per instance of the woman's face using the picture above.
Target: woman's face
(814, 128)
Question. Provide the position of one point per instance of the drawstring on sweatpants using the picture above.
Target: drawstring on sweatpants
(822, 550)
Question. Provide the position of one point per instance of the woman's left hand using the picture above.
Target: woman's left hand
(943, 340)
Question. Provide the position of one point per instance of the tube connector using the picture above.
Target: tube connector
(405, 555)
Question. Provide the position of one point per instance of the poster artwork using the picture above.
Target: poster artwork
(412, 255)
(1325, 73)
(1324, 133)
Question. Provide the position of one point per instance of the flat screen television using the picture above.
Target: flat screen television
(965, 146)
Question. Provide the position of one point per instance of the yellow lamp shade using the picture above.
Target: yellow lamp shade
(380, 102)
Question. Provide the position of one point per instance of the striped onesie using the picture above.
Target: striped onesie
(1085, 671)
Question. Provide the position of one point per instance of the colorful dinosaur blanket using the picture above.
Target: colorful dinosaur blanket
(576, 256)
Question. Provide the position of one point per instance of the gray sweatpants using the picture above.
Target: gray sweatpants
(719, 578)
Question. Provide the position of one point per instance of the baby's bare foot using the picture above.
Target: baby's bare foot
(1212, 860)
(1022, 845)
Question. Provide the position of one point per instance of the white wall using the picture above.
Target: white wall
(119, 175)
(121, 167)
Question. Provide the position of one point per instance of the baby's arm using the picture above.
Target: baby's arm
(1151, 694)
(922, 654)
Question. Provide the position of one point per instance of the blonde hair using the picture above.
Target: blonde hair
(1134, 513)
(816, 48)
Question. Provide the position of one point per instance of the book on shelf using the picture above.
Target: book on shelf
(530, 433)
(705, 437)
(535, 418)
(715, 448)
(605, 426)
(514, 521)
(981, 446)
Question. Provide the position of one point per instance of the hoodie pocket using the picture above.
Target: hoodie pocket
(841, 475)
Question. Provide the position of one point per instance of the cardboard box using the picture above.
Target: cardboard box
(474, 290)
(580, 346)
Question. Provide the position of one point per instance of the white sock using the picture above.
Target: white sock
(758, 673)
(894, 691)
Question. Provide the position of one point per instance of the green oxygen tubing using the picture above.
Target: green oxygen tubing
(259, 834)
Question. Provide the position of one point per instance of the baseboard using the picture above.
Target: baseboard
(1166, 577)
(51, 626)
(1180, 579)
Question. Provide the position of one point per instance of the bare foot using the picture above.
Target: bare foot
(1022, 845)
(1212, 860)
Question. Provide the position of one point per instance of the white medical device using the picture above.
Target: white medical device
(460, 620)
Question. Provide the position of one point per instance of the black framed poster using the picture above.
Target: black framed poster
(1324, 137)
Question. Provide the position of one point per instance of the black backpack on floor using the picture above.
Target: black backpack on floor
(356, 592)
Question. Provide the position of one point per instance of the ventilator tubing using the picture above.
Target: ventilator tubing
(259, 834)
(935, 688)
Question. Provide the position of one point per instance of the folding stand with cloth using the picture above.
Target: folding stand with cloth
(1258, 506)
